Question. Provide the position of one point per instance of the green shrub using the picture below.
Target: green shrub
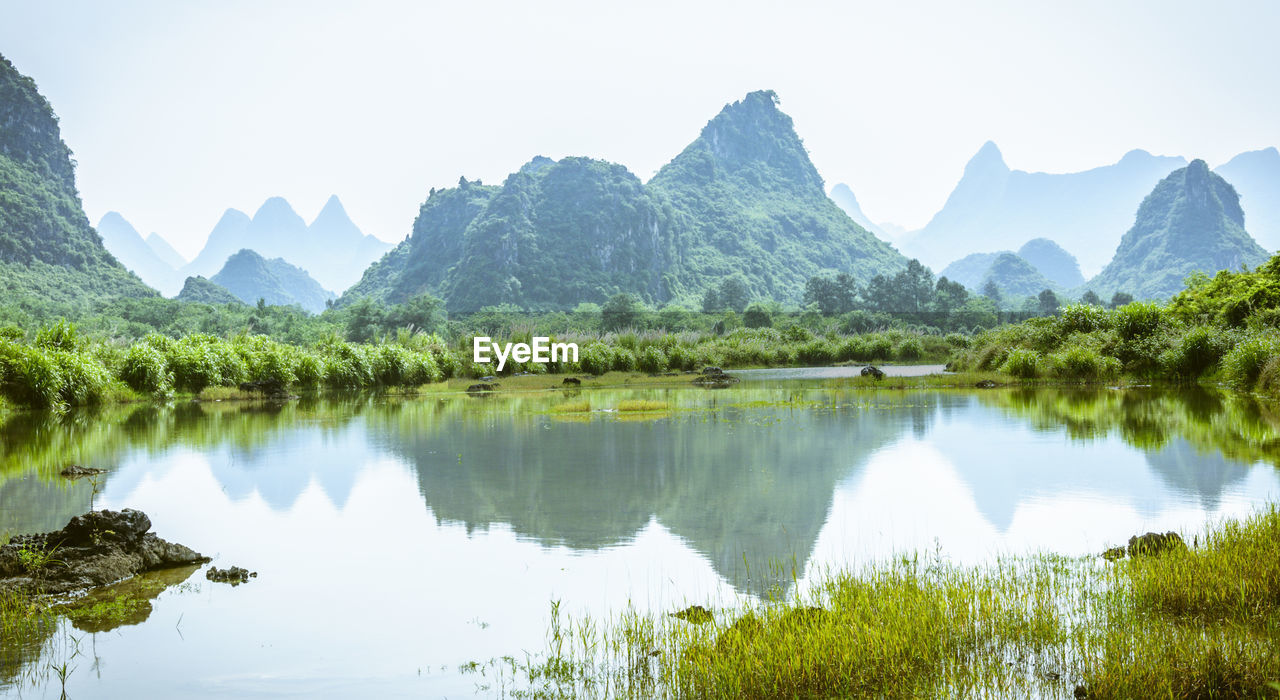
(1022, 363)
(1244, 363)
(624, 360)
(1082, 318)
(910, 349)
(33, 378)
(1138, 319)
(653, 359)
(1195, 353)
(59, 335)
(958, 341)
(309, 370)
(816, 352)
(596, 358)
(1080, 362)
(84, 377)
(144, 370)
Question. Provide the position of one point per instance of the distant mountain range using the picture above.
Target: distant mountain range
(135, 253)
(332, 248)
(742, 198)
(48, 250)
(1086, 213)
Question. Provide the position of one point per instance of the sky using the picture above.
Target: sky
(179, 110)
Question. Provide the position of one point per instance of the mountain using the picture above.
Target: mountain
(48, 250)
(202, 291)
(124, 242)
(338, 252)
(165, 252)
(1053, 262)
(843, 197)
(1256, 177)
(332, 248)
(971, 270)
(743, 197)
(1040, 263)
(250, 277)
(1015, 277)
(1191, 221)
(995, 207)
(229, 235)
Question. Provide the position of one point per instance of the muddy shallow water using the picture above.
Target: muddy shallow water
(398, 538)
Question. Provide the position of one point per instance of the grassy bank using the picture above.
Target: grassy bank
(56, 366)
(1195, 622)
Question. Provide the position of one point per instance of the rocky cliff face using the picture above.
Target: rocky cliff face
(47, 247)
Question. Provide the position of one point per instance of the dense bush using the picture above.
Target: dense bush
(145, 371)
(1243, 365)
(1022, 363)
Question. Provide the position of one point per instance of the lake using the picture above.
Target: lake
(398, 538)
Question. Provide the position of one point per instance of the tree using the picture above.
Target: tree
(757, 316)
(734, 294)
(991, 290)
(832, 295)
(1120, 299)
(621, 311)
(1091, 298)
(948, 296)
(364, 320)
(1048, 302)
(711, 301)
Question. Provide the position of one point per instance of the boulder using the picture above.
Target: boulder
(571, 381)
(94, 549)
(873, 371)
(1155, 544)
(234, 575)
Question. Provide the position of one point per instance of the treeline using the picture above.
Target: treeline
(1225, 327)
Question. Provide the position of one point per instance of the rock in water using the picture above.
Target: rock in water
(234, 575)
(94, 549)
(1154, 543)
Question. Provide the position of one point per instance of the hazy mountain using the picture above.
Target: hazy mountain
(124, 242)
(1015, 277)
(1256, 177)
(1053, 262)
(1191, 221)
(251, 277)
(331, 249)
(972, 269)
(47, 247)
(229, 235)
(995, 207)
(743, 197)
(843, 197)
(201, 290)
(164, 251)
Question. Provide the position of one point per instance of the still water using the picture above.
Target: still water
(398, 538)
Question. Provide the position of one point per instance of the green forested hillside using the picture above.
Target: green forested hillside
(251, 277)
(1191, 222)
(199, 290)
(743, 198)
(1015, 277)
(48, 250)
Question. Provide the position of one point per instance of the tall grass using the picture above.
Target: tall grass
(1197, 623)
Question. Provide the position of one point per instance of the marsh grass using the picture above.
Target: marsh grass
(643, 406)
(1200, 623)
(573, 406)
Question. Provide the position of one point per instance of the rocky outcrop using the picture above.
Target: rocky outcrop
(94, 549)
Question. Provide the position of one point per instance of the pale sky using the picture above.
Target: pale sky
(178, 110)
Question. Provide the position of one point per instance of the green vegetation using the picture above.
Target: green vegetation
(1194, 622)
(1225, 328)
(58, 366)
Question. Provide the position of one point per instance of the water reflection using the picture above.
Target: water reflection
(394, 516)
